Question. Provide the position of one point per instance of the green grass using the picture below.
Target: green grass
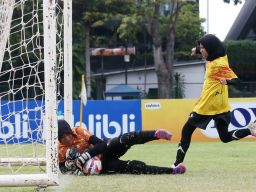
(211, 167)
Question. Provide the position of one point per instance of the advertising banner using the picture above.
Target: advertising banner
(171, 114)
(22, 121)
(108, 119)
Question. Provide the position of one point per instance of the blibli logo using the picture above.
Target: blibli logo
(242, 114)
(101, 121)
(102, 126)
(16, 129)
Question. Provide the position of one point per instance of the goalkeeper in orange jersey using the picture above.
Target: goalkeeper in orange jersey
(213, 103)
(77, 146)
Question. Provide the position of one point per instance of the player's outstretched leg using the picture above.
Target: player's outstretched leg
(252, 128)
(139, 167)
(163, 134)
(142, 137)
(179, 169)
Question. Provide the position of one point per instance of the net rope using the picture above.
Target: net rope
(22, 132)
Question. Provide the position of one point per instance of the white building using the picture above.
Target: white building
(145, 79)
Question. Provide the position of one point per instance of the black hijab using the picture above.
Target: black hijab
(63, 128)
(213, 46)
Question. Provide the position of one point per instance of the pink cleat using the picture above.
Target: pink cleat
(163, 134)
(179, 169)
(252, 128)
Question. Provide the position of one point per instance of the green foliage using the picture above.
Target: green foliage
(189, 28)
(242, 58)
(78, 58)
(115, 23)
(243, 61)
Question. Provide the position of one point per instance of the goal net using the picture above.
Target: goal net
(32, 58)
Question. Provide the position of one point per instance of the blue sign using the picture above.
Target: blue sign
(21, 121)
(108, 119)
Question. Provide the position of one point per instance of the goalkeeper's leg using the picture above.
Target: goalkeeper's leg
(139, 167)
(142, 137)
(119, 146)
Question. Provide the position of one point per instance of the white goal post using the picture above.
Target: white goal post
(35, 61)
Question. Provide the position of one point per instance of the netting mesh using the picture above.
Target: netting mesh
(22, 88)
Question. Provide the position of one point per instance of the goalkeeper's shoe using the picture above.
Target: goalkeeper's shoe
(179, 169)
(252, 128)
(163, 134)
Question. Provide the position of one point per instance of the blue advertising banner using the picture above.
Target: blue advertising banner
(108, 119)
(22, 121)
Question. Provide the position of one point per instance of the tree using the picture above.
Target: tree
(115, 22)
(97, 21)
(160, 18)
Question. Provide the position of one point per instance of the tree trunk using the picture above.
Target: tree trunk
(170, 57)
(87, 62)
(163, 74)
(164, 68)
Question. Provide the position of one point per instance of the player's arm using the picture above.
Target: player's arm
(98, 147)
(234, 81)
(195, 50)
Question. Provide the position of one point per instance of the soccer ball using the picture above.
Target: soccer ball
(92, 166)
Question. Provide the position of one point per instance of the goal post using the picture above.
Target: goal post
(6, 10)
(35, 61)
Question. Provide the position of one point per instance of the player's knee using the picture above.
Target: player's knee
(225, 139)
(128, 138)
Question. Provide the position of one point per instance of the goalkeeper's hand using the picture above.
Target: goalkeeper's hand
(71, 156)
(76, 160)
(77, 172)
(81, 160)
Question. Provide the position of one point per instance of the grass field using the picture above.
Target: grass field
(211, 167)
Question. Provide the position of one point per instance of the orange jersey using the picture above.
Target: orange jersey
(81, 142)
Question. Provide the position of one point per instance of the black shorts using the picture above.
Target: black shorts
(201, 121)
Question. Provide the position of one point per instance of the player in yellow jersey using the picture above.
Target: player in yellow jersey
(213, 103)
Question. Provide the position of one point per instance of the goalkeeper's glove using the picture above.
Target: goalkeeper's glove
(71, 156)
(81, 160)
(77, 172)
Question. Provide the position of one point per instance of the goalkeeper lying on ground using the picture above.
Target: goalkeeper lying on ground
(77, 146)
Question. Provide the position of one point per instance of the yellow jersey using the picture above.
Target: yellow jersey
(214, 96)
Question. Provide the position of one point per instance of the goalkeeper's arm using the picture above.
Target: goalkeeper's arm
(99, 147)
